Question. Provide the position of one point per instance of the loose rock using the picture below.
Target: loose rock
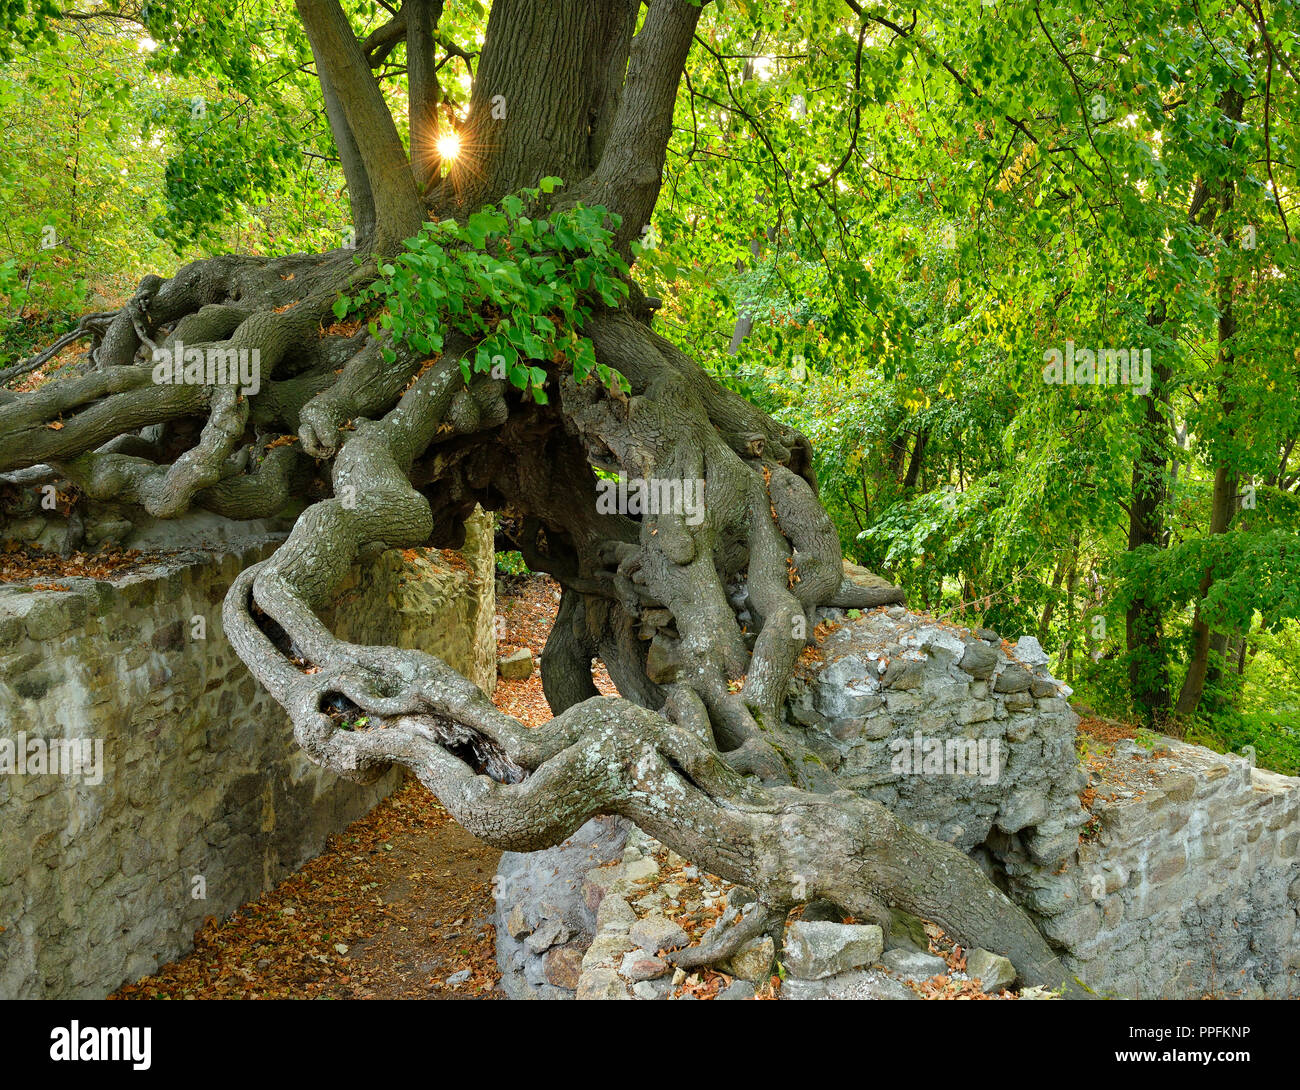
(817, 950)
(656, 933)
(516, 666)
(912, 964)
(993, 971)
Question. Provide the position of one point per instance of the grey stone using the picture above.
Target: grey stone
(1029, 651)
(656, 933)
(1013, 679)
(993, 971)
(844, 670)
(816, 950)
(52, 613)
(903, 674)
(601, 984)
(1041, 687)
(912, 964)
(550, 932)
(606, 950)
(753, 961)
(977, 711)
(615, 914)
(942, 646)
(944, 692)
(794, 988)
(979, 660)
(876, 727)
(1022, 808)
(902, 703)
(738, 989)
(868, 984)
(517, 666)
(853, 701)
(641, 868)
(1048, 849)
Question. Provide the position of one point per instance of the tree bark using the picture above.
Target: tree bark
(422, 87)
(354, 167)
(344, 68)
(1222, 509)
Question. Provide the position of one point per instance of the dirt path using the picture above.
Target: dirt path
(399, 904)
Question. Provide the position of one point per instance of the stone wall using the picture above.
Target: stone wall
(1186, 885)
(548, 909)
(203, 789)
(891, 677)
(1180, 880)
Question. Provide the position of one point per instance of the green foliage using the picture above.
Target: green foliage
(520, 287)
(125, 152)
(912, 213)
(511, 563)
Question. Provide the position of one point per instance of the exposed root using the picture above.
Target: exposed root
(725, 938)
(698, 611)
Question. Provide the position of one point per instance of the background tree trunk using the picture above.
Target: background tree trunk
(1147, 671)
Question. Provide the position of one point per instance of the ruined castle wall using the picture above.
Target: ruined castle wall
(203, 790)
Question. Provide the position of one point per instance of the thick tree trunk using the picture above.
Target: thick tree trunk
(344, 68)
(547, 90)
(422, 87)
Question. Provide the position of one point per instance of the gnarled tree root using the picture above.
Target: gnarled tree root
(699, 614)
